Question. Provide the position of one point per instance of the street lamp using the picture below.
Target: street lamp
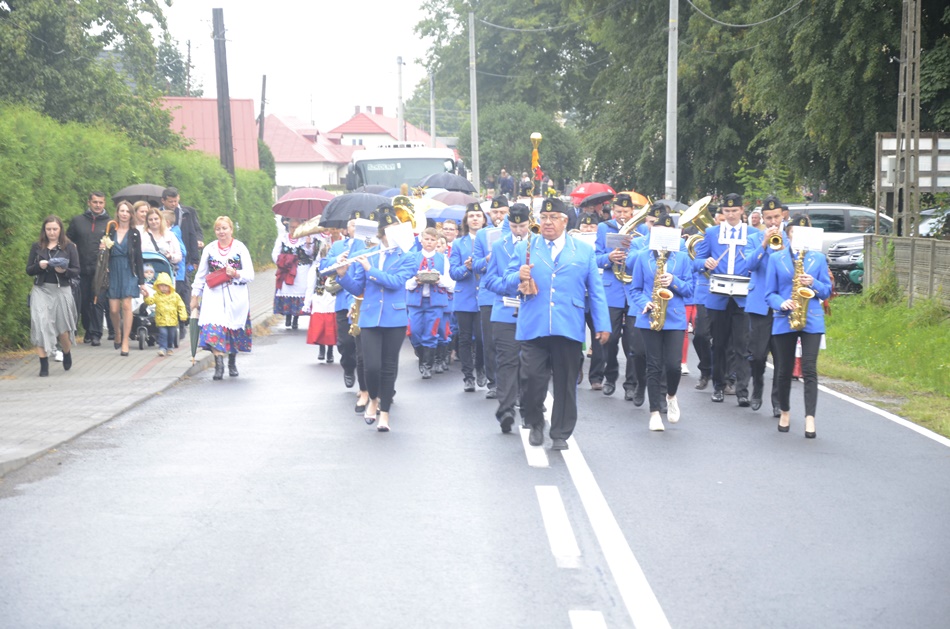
(535, 163)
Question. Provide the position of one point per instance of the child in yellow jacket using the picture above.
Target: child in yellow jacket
(169, 308)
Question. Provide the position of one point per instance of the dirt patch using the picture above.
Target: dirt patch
(865, 394)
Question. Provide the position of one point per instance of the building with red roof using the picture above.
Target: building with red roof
(304, 156)
(197, 120)
(370, 128)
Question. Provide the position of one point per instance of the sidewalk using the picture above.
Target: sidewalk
(38, 414)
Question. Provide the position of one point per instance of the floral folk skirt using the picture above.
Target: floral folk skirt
(288, 305)
(226, 340)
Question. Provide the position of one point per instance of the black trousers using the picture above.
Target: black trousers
(488, 345)
(622, 330)
(730, 329)
(381, 361)
(638, 356)
(595, 372)
(507, 366)
(760, 344)
(541, 359)
(784, 346)
(360, 367)
(183, 288)
(702, 340)
(664, 351)
(470, 343)
(91, 313)
(345, 343)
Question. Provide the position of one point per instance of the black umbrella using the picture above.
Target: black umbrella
(372, 188)
(338, 211)
(598, 198)
(448, 181)
(140, 192)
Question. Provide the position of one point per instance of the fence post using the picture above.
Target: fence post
(910, 272)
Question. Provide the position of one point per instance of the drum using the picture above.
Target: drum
(732, 285)
(427, 277)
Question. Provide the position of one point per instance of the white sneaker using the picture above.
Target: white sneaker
(161, 353)
(656, 422)
(684, 369)
(672, 410)
(58, 357)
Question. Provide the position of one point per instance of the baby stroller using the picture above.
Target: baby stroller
(143, 315)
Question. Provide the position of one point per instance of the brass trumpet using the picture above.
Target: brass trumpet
(775, 242)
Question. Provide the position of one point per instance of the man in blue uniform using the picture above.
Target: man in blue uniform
(551, 319)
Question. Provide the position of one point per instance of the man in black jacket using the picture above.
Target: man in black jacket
(86, 230)
(192, 235)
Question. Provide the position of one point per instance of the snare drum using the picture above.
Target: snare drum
(428, 277)
(732, 285)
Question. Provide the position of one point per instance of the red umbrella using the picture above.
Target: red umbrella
(454, 198)
(584, 190)
(303, 203)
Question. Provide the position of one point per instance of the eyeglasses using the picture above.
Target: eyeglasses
(550, 218)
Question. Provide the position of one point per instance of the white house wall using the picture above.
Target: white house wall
(309, 174)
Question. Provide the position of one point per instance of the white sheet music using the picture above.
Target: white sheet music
(665, 238)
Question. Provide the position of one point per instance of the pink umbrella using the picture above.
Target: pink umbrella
(454, 198)
(584, 190)
(303, 203)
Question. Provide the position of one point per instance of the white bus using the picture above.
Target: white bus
(394, 164)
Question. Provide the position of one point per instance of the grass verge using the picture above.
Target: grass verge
(899, 356)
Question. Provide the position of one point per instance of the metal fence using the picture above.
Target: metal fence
(922, 266)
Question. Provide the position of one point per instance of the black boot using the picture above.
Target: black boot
(67, 360)
(439, 366)
(44, 367)
(218, 367)
(322, 354)
(288, 321)
(428, 353)
(293, 324)
(329, 354)
(418, 351)
(232, 367)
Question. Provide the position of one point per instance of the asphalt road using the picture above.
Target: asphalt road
(266, 501)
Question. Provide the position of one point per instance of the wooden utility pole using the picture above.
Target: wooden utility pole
(225, 141)
(906, 191)
(260, 125)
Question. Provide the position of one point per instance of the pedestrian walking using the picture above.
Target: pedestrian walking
(126, 272)
(53, 263)
(169, 311)
(224, 271)
(86, 232)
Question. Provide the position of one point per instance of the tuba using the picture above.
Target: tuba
(404, 212)
(661, 296)
(801, 295)
(697, 216)
(629, 229)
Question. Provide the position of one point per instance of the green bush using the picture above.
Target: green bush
(50, 168)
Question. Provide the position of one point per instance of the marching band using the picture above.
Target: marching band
(521, 293)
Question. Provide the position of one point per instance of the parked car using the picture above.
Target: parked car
(841, 220)
(845, 256)
(932, 222)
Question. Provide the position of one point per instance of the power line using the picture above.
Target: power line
(721, 23)
(753, 47)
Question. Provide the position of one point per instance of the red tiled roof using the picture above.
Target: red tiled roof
(378, 124)
(284, 135)
(197, 120)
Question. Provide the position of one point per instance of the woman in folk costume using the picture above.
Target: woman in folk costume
(796, 282)
(662, 334)
(293, 257)
(426, 298)
(221, 285)
(320, 304)
(380, 280)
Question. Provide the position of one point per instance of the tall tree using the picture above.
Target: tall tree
(173, 71)
(85, 62)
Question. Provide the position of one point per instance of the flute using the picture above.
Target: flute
(363, 256)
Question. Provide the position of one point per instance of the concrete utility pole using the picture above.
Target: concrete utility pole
(906, 192)
(672, 62)
(476, 178)
(400, 124)
(260, 126)
(432, 109)
(225, 142)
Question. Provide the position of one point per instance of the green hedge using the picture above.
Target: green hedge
(50, 168)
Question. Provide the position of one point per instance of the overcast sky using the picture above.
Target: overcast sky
(337, 53)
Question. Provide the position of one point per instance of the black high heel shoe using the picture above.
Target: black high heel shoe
(782, 428)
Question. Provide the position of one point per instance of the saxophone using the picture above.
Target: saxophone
(661, 296)
(801, 295)
(354, 315)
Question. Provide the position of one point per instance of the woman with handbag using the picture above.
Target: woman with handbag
(159, 238)
(53, 263)
(220, 284)
(126, 273)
